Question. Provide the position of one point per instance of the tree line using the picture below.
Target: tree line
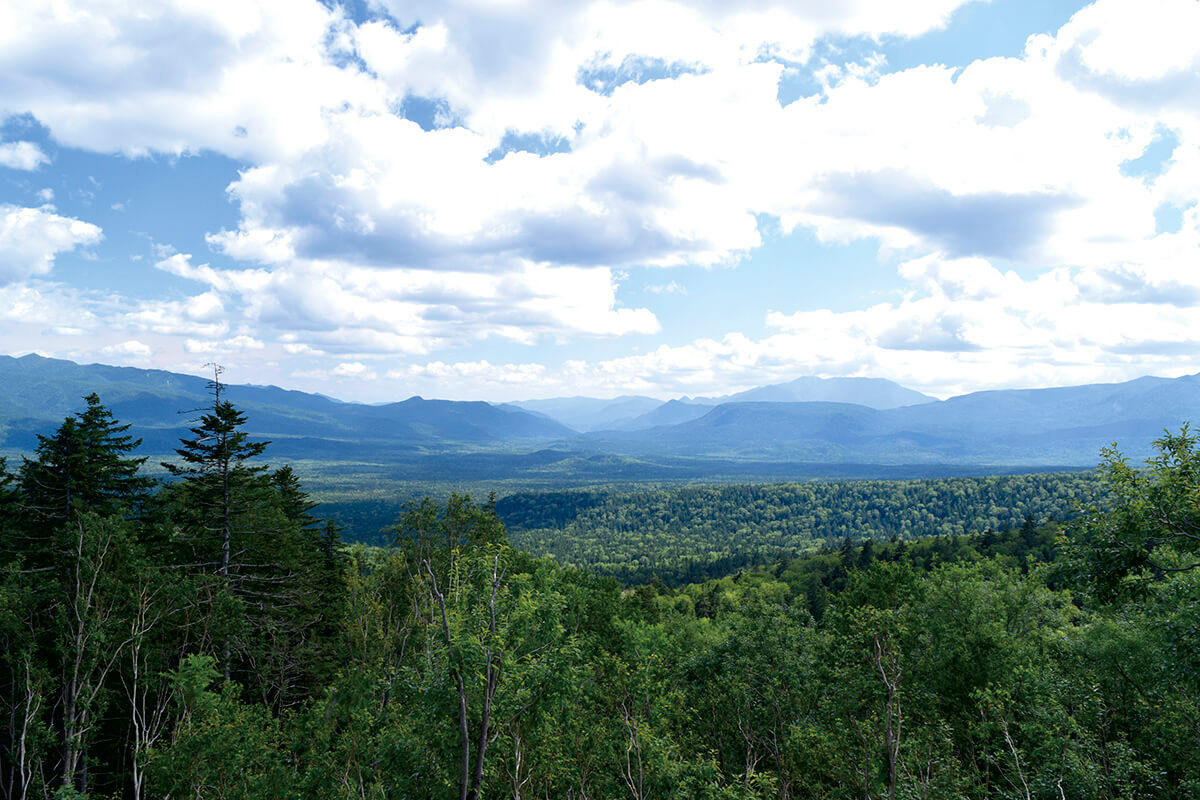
(209, 638)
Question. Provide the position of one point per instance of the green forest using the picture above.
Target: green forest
(209, 637)
(687, 533)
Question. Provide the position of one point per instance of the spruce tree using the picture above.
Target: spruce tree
(274, 588)
(84, 465)
(72, 550)
(218, 491)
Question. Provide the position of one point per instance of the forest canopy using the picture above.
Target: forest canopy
(688, 533)
(210, 637)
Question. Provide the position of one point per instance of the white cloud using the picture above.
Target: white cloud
(22, 155)
(342, 307)
(128, 350)
(31, 238)
(33, 306)
(353, 369)
(242, 79)
(200, 315)
(480, 374)
(294, 349)
(236, 344)
(1125, 49)
(660, 141)
(337, 177)
(1007, 158)
(962, 326)
(672, 287)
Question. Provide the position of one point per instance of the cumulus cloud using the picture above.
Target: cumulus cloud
(984, 223)
(131, 350)
(235, 344)
(174, 77)
(21, 155)
(962, 325)
(353, 369)
(319, 106)
(451, 172)
(340, 307)
(478, 372)
(1005, 158)
(200, 315)
(1142, 55)
(31, 306)
(31, 238)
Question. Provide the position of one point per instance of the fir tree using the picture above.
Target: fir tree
(84, 465)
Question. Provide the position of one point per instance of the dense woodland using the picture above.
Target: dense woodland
(683, 534)
(209, 638)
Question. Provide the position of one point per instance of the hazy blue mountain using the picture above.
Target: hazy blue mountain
(590, 413)
(37, 393)
(631, 413)
(672, 412)
(792, 431)
(1059, 426)
(871, 392)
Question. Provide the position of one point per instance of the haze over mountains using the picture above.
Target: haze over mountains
(637, 412)
(807, 421)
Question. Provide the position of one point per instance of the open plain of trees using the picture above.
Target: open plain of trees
(687, 533)
(209, 638)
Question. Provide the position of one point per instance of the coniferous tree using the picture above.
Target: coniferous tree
(220, 489)
(72, 550)
(84, 465)
(220, 484)
(250, 530)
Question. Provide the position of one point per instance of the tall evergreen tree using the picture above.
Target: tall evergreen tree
(273, 588)
(84, 465)
(219, 482)
(71, 551)
(219, 490)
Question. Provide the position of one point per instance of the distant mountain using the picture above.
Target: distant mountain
(37, 393)
(631, 413)
(673, 412)
(1010, 428)
(1059, 426)
(590, 413)
(871, 392)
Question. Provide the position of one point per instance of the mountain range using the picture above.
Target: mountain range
(633, 413)
(809, 421)
(37, 393)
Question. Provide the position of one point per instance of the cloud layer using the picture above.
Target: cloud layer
(439, 175)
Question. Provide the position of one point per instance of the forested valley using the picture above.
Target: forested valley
(210, 637)
(683, 534)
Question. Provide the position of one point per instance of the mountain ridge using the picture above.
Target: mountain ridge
(1057, 426)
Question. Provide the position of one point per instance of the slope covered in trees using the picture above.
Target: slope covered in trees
(211, 639)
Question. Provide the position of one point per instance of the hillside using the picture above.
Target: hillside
(870, 392)
(1058, 426)
(1008, 429)
(38, 392)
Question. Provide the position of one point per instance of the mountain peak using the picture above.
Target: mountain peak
(877, 393)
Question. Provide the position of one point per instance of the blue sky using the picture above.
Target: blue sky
(509, 200)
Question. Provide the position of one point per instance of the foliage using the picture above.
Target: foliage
(685, 534)
(136, 661)
(83, 465)
(1148, 522)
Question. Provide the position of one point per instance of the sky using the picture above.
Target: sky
(515, 199)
